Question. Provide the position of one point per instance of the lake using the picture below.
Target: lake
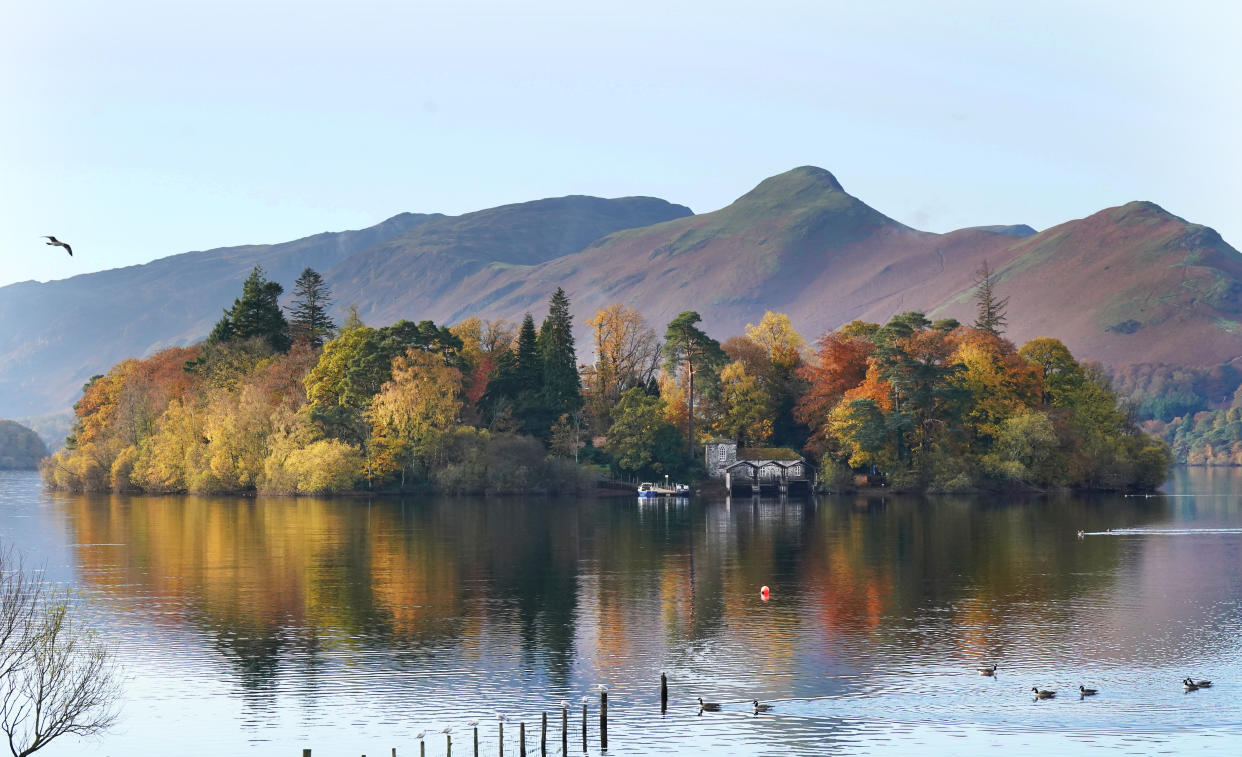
(265, 626)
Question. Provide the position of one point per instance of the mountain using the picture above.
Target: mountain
(20, 447)
(63, 332)
(1127, 285)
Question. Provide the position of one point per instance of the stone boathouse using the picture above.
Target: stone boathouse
(758, 469)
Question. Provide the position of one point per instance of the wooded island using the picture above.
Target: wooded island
(294, 404)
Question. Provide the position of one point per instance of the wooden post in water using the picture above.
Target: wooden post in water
(502, 738)
(522, 739)
(306, 753)
(543, 736)
(584, 740)
(422, 748)
(565, 729)
(476, 741)
(448, 745)
(663, 693)
(603, 721)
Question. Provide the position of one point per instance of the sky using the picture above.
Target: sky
(136, 129)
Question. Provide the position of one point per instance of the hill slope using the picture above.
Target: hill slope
(1132, 284)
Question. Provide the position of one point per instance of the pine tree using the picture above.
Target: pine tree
(562, 388)
(685, 343)
(991, 311)
(255, 314)
(309, 320)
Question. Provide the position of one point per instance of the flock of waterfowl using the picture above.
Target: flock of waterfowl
(1188, 684)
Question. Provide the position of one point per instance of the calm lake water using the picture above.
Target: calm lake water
(261, 627)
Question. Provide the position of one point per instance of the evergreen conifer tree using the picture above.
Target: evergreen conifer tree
(309, 320)
(562, 388)
(991, 311)
(256, 313)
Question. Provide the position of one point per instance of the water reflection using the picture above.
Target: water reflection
(460, 607)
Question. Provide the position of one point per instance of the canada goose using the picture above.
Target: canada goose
(761, 707)
(1189, 685)
(708, 706)
(988, 671)
(1200, 684)
(58, 243)
(1043, 693)
(1084, 691)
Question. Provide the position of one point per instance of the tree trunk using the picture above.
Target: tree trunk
(690, 407)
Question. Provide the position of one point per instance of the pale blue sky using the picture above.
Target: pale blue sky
(136, 129)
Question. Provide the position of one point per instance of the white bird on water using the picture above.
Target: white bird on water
(57, 243)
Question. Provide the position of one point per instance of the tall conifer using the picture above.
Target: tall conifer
(562, 389)
(256, 313)
(308, 319)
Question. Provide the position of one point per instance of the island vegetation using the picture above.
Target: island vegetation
(295, 404)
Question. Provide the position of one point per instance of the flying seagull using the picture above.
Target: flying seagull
(59, 243)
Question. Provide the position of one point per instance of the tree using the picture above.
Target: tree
(255, 314)
(58, 677)
(641, 439)
(991, 311)
(309, 320)
(627, 354)
(413, 410)
(562, 390)
(685, 344)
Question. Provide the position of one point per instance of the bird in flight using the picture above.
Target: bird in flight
(58, 243)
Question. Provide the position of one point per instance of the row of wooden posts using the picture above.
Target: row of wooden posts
(543, 729)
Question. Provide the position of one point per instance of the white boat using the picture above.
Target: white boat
(648, 489)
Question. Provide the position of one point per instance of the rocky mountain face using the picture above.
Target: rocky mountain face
(1127, 285)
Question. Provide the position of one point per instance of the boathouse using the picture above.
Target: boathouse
(758, 469)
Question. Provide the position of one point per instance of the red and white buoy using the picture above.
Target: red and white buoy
(764, 593)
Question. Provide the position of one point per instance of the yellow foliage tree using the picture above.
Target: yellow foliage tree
(746, 412)
(777, 336)
(411, 412)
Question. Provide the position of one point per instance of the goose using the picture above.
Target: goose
(1084, 691)
(1189, 685)
(1043, 693)
(708, 706)
(56, 242)
(1201, 684)
(988, 671)
(761, 707)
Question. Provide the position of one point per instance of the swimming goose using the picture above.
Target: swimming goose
(1084, 691)
(709, 706)
(1189, 685)
(988, 671)
(761, 707)
(1201, 684)
(1043, 693)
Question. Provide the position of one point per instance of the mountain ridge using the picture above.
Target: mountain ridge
(1128, 284)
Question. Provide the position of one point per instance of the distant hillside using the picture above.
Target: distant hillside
(76, 328)
(1127, 285)
(20, 448)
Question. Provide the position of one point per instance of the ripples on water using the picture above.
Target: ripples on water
(262, 627)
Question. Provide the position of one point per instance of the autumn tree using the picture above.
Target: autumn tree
(627, 355)
(308, 319)
(685, 345)
(412, 411)
(746, 407)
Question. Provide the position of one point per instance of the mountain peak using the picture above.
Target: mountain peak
(1140, 211)
(798, 183)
